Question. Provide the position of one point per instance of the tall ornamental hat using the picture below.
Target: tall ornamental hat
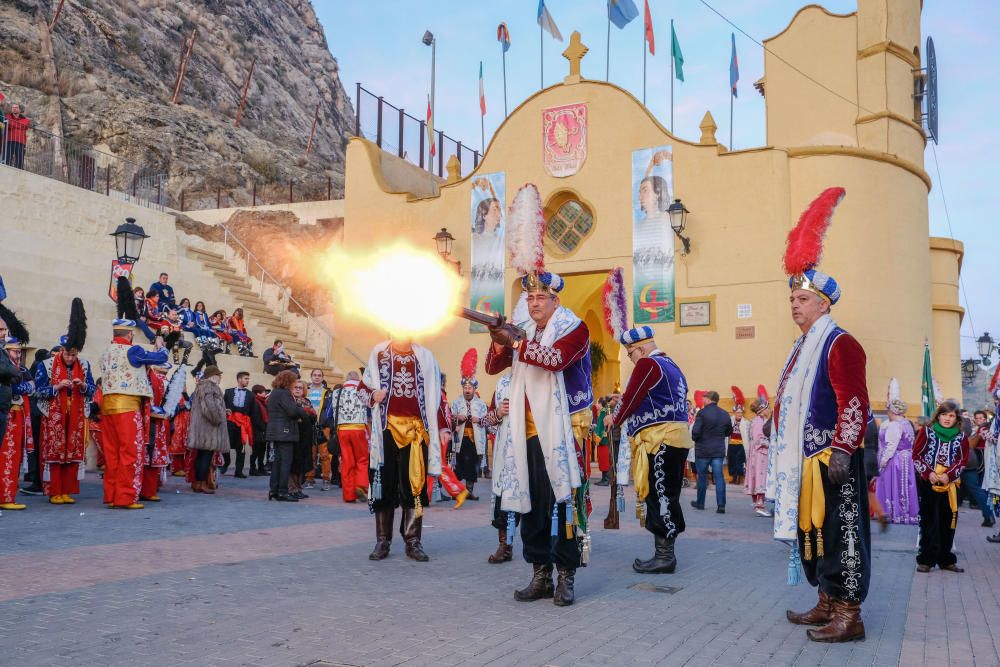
(893, 403)
(805, 247)
(762, 401)
(17, 333)
(76, 332)
(526, 242)
(739, 400)
(468, 367)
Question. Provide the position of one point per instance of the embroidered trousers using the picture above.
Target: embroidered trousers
(124, 449)
(11, 453)
(354, 461)
(62, 479)
(664, 517)
(844, 570)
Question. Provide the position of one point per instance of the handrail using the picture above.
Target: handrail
(310, 318)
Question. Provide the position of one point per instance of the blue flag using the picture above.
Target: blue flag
(734, 68)
(621, 12)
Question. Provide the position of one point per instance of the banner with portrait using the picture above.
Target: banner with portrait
(488, 214)
(652, 237)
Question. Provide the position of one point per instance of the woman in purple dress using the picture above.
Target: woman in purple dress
(896, 485)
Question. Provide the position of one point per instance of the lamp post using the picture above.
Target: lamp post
(678, 221)
(969, 369)
(985, 345)
(444, 241)
(429, 40)
(128, 241)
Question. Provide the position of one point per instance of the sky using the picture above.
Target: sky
(378, 43)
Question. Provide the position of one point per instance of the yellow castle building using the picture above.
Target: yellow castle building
(721, 310)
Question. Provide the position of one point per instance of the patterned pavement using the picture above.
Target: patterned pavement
(232, 579)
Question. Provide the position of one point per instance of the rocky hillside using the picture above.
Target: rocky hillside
(105, 75)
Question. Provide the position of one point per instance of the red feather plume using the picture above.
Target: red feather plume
(699, 398)
(469, 362)
(762, 392)
(805, 241)
(995, 382)
(738, 397)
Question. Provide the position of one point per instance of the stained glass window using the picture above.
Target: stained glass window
(570, 224)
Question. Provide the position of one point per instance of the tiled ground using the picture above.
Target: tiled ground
(235, 580)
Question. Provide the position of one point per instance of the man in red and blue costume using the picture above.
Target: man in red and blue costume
(17, 442)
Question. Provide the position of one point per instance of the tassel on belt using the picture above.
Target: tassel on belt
(951, 488)
(812, 502)
(408, 431)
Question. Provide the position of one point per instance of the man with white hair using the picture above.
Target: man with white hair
(348, 417)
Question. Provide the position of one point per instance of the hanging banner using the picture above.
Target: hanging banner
(652, 237)
(488, 212)
(564, 139)
(117, 270)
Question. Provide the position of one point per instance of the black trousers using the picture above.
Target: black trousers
(258, 451)
(500, 517)
(936, 534)
(664, 517)
(281, 467)
(395, 475)
(235, 436)
(202, 464)
(736, 458)
(467, 463)
(540, 546)
(844, 570)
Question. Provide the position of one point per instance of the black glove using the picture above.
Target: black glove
(839, 470)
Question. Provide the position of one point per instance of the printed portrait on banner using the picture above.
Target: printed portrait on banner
(652, 237)
(488, 214)
(564, 139)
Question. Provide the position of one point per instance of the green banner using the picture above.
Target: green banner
(652, 237)
(928, 401)
(486, 290)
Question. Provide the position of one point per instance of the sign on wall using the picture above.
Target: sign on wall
(652, 237)
(486, 292)
(564, 139)
(118, 270)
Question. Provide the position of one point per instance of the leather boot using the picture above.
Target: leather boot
(503, 552)
(663, 560)
(604, 481)
(846, 625)
(540, 585)
(383, 534)
(563, 596)
(412, 530)
(821, 614)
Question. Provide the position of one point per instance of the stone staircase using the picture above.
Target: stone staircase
(263, 322)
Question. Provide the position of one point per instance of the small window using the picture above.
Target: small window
(570, 224)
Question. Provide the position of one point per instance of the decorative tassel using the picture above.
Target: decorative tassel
(418, 511)
(376, 493)
(511, 526)
(794, 574)
(808, 547)
(555, 520)
(585, 550)
(570, 517)
(954, 520)
(819, 543)
(640, 512)
(82, 470)
(620, 499)
(24, 464)
(46, 473)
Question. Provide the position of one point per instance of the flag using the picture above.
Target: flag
(734, 68)
(928, 402)
(621, 12)
(430, 127)
(675, 53)
(649, 31)
(482, 93)
(546, 22)
(503, 36)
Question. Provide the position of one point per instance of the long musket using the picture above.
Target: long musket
(611, 521)
(490, 320)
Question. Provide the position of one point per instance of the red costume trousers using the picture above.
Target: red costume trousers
(62, 479)
(123, 447)
(10, 456)
(603, 458)
(150, 481)
(353, 461)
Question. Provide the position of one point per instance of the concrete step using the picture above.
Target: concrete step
(203, 253)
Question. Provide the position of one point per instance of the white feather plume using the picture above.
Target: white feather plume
(175, 388)
(893, 390)
(615, 303)
(526, 231)
(520, 313)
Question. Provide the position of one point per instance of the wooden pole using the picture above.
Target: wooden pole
(312, 132)
(243, 97)
(183, 67)
(55, 16)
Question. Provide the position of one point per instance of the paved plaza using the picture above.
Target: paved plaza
(232, 579)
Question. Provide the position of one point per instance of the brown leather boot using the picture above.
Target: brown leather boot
(503, 552)
(846, 625)
(563, 595)
(821, 614)
(412, 530)
(383, 534)
(540, 585)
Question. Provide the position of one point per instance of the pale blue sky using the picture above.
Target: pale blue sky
(378, 44)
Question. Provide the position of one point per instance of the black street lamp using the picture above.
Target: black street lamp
(678, 221)
(445, 241)
(969, 369)
(985, 345)
(128, 241)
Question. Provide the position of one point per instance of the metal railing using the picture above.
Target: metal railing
(257, 193)
(396, 131)
(255, 270)
(83, 166)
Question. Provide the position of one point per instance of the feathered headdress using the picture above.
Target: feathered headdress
(526, 231)
(995, 382)
(805, 246)
(125, 300)
(699, 398)
(739, 400)
(468, 367)
(76, 335)
(175, 390)
(15, 328)
(762, 400)
(893, 403)
(615, 303)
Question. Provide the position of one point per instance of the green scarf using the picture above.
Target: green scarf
(946, 433)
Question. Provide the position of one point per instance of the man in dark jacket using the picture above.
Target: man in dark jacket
(243, 418)
(710, 432)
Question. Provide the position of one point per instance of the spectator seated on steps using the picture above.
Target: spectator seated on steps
(238, 329)
(277, 360)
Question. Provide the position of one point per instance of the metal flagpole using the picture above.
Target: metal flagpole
(730, 119)
(504, 57)
(644, 49)
(607, 53)
(671, 76)
(541, 52)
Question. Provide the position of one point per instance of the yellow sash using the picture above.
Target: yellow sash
(581, 422)
(648, 441)
(408, 431)
(812, 501)
(951, 488)
(114, 404)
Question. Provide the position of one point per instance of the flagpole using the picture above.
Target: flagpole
(503, 55)
(730, 119)
(607, 53)
(671, 76)
(644, 61)
(541, 52)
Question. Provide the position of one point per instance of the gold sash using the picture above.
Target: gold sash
(581, 422)
(114, 404)
(648, 441)
(812, 501)
(408, 431)
(951, 488)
